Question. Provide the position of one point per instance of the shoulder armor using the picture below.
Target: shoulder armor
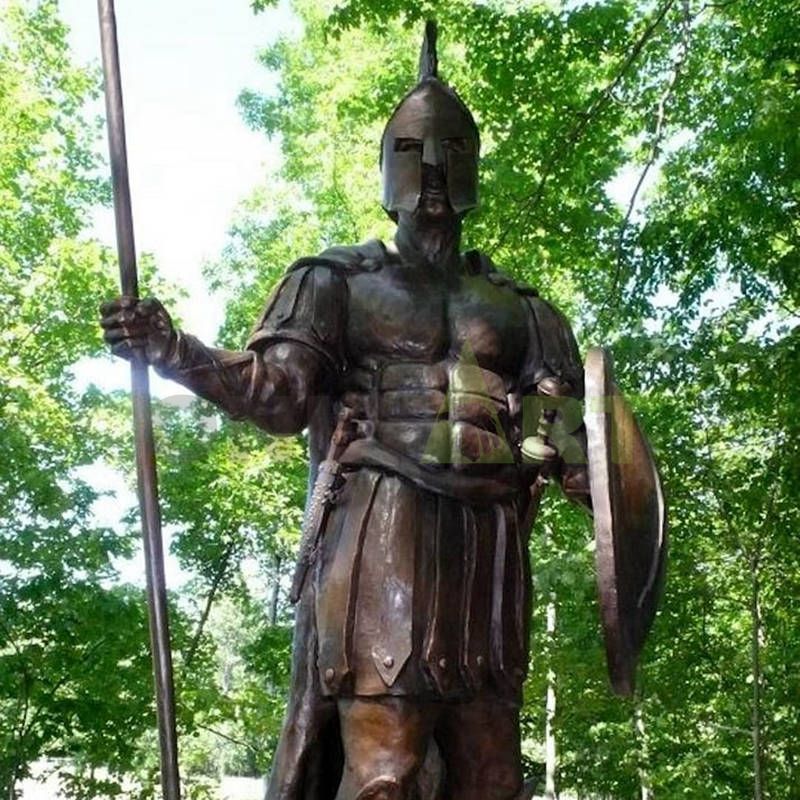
(368, 256)
(307, 307)
(479, 263)
(552, 349)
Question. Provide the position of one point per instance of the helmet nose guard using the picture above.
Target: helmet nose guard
(432, 151)
(430, 125)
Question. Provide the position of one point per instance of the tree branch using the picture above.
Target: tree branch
(716, 6)
(730, 728)
(656, 141)
(219, 574)
(584, 118)
(230, 739)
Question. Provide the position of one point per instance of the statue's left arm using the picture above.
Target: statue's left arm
(552, 385)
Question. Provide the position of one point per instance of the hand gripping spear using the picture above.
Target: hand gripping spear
(147, 479)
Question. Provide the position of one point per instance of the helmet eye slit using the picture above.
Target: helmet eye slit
(457, 144)
(405, 145)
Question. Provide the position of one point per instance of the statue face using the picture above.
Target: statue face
(430, 154)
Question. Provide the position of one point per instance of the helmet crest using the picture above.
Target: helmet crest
(428, 59)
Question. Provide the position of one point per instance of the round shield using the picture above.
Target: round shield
(629, 521)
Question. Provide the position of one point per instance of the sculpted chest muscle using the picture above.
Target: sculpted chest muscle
(394, 316)
(487, 325)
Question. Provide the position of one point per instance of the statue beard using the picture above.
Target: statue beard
(435, 226)
(437, 241)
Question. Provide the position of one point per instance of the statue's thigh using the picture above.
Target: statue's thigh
(480, 745)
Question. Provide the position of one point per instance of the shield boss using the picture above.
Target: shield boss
(629, 521)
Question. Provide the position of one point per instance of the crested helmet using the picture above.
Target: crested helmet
(431, 125)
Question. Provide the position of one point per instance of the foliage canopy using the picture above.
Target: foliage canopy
(641, 168)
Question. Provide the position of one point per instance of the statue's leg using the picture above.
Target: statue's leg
(480, 744)
(385, 742)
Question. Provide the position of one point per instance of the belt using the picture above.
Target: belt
(505, 482)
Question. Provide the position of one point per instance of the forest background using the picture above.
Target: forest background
(693, 282)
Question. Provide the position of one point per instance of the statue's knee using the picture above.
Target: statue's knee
(384, 788)
(504, 783)
(495, 782)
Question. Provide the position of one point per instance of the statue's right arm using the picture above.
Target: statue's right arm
(290, 358)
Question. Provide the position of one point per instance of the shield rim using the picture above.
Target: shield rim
(622, 655)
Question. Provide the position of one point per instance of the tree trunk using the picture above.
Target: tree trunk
(273, 614)
(11, 788)
(755, 659)
(19, 762)
(550, 751)
(644, 760)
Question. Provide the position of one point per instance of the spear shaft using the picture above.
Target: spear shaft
(147, 478)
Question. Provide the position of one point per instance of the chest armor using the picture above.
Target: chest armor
(421, 580)
(433, 365)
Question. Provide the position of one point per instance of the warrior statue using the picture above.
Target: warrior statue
(411, 366)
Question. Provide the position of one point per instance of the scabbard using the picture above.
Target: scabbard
(322, 499)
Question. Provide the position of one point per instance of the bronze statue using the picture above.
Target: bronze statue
(419, 373)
